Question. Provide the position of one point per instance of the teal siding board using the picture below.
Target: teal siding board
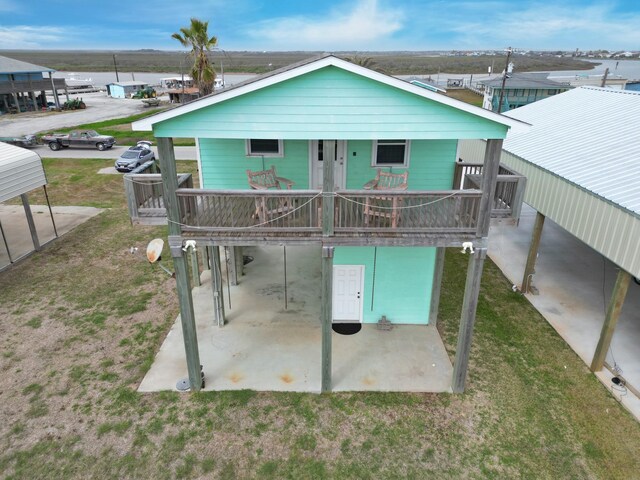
(430, 164)
(403, 281)
(224, 163)
(329, 104)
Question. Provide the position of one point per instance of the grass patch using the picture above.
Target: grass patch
(71, 409)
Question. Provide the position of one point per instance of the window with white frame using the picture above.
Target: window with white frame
(264, 148)
(390, 153)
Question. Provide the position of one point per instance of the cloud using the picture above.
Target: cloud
(363, 26)
(543, 26)
(26, 37)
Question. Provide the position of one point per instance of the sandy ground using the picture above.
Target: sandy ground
(99, 107)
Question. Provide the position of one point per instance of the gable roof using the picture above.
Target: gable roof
(588, 136)
(311, 65)
(11, 65)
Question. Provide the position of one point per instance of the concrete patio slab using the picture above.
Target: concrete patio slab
(16, 229)
(575, 284)
(265, 346)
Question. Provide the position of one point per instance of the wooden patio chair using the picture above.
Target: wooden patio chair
(267, 180)
(382, 207)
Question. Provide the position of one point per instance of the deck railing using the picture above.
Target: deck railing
(144, 192)
(510, 187)
(299, 212)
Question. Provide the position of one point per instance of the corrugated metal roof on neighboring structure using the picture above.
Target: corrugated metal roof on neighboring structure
(525, 80)
(589, 136)
(11, 65)
(20, 171)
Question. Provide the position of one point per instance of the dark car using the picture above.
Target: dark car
(78, 138)
(134, 157)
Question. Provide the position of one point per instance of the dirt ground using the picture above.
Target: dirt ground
(99, 107)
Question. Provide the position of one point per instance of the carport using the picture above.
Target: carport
(576, 253)
(21, 171)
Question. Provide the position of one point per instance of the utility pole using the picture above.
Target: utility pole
(504, 80)
(115, 65)
(604, 78)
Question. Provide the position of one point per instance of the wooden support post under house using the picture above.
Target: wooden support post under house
(610, 321)
(326, 314)
(326, 310)
(195, 267)
(232, 272)
(530, 267)
(216, 286)
(490, 170)
(467, 319)
(239, 261)
(187, 317)
(30, 222)
(436, 286)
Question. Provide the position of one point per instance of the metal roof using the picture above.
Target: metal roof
(20, 171)
(11, 65)
(589, 136)
(522, 80)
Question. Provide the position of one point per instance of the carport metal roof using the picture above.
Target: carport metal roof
(581, 158)
(20, 171)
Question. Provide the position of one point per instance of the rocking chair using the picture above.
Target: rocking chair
(384, 207)
(264, 180)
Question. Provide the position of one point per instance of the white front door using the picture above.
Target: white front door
(316, 153)
(348, 284)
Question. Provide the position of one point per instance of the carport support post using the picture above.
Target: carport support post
(195, 268)
(467, 319)
(232, 266)
(610, 321)
(530, 267)
(437, 286)
(55, 92)
(30, 222)
(187, 317)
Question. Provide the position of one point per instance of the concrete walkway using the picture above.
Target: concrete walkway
(16, 229)
(575, 284)
(266, 347)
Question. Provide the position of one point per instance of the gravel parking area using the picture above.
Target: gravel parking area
(99, 107)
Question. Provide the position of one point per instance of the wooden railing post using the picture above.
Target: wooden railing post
(489, 178)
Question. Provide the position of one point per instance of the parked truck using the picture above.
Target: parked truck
(78, 138)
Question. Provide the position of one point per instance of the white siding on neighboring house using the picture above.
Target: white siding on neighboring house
(20, 171)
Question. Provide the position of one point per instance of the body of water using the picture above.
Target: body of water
(629, 69)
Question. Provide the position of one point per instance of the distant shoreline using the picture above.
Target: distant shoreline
(251, 63)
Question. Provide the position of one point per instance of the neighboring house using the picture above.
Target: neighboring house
(329, 125)
(519, 89)
(585, 176)
(23, 86)
(125, 89)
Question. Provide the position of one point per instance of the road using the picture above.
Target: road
(182, 153)
(99, 108)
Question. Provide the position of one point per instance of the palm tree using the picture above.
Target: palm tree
(366, 62)
(197, 37)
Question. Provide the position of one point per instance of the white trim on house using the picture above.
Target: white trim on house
(249, 153)
(146, 124)
(199, 160)
(407, 153)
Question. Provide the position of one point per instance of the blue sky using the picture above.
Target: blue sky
(328, 25)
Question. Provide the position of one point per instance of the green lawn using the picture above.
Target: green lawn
(82, 320)
(120, 129)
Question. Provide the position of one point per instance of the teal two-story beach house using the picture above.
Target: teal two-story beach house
(361, 164)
